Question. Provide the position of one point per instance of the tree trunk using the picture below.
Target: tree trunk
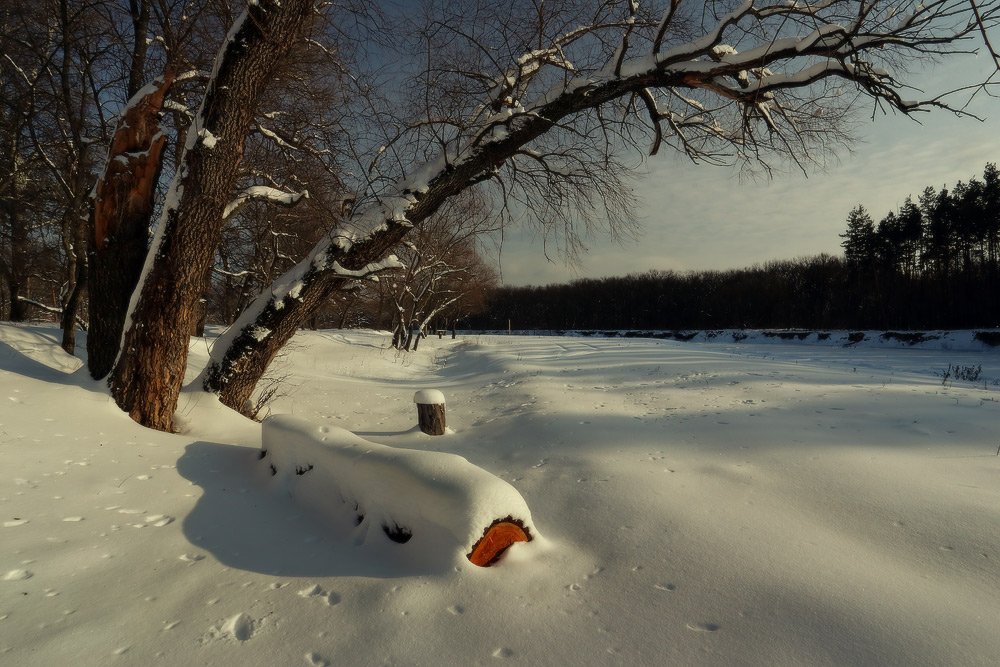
(16, 269)
(254, 348)
(119, 222)
(147, 378)
(71, 305)
(431, 418)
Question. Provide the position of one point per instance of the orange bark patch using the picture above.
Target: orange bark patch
(126, 187)
(496, 539)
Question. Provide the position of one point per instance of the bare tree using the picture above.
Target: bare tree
(150, 370)
(442, 267)
(57, 76)
(739, 83)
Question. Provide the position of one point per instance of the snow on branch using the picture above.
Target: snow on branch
(264, 192)
(370, 269)
(51, 309)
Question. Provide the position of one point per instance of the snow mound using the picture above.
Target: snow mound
(433, 504)
(26, 349)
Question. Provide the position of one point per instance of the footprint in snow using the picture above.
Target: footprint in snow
(703, 627)
(314, 659)
(311, 591)
(240, 627)
(159, 520)
(329, 597)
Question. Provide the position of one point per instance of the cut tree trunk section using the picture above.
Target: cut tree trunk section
(430, 411)
(496, 540)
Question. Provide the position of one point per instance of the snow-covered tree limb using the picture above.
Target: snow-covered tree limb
(264, 193)
(771, 79)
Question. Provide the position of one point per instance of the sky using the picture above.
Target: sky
(699, 217)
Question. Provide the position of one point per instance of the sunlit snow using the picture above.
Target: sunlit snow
(701, 503)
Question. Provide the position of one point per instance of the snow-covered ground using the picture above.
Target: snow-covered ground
(700, 503)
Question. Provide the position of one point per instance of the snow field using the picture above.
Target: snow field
(701, 503)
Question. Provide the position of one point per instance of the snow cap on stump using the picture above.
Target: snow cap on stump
(428, 397)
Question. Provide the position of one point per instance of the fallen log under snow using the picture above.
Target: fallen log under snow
(432, 502)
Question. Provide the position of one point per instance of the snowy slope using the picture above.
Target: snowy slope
(702, 504)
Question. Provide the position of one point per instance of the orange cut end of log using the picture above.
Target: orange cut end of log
(496, 539)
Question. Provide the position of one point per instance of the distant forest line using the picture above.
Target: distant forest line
(932, 264)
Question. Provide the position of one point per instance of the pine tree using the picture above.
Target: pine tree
(859, 240)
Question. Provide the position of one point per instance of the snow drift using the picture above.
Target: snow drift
(434, 504)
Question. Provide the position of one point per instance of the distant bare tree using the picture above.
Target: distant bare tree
(442, 267)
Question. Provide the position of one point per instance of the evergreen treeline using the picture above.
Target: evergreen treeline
(932, 264)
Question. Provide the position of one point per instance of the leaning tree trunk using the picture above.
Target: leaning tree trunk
(249, 346)
(148, 375)
(241, 356)
(119, 222)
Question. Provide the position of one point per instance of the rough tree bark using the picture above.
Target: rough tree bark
(147, 377)
(119, 221)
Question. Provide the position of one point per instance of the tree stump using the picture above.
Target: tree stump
(430, 411)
